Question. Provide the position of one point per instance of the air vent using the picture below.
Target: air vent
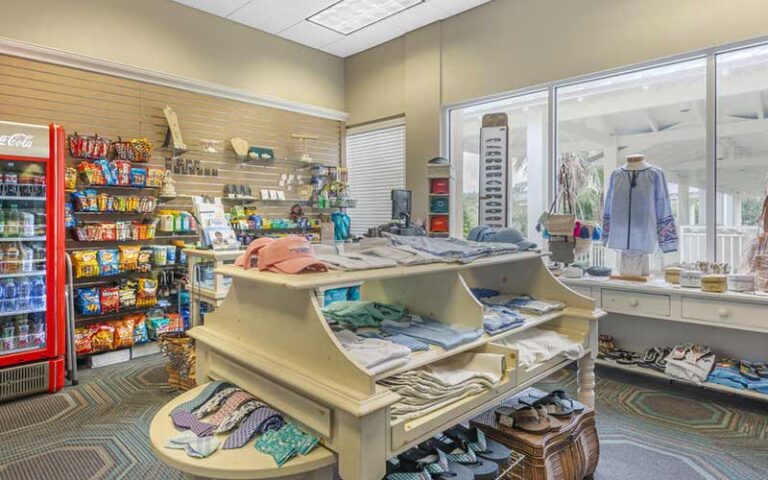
(23, 380)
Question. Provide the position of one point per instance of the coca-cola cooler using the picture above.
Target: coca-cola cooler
(32, 263)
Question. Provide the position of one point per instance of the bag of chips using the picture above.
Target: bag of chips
(124, 333)
(145, 259)
(83, 344)
(157, 323)
(160, 255)
(128, 293)
(146, 296)
(138, 177)
(108, 262)
(110, 299)
(87, 301)
(175, 322)
(104, 338)
(129, 257)
(140, 332)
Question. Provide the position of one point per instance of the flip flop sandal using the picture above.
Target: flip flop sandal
(651, 355)
(456, 452)
(761, 369)
(475, 439)
(552, 404)
(436, 463)
(577, 406)
(527, 419)
(748, 371)
(680, 351)
(728, 363)
(397, 471)
(628, 358)
(699, 352)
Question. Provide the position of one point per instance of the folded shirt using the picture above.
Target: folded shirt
(362, 313)
(412, 343)
(537, 345)
(431, 331)
(350, 261)
(374, 354)
(384, 248)
(497, 319)
(454, 249)
(690, 368)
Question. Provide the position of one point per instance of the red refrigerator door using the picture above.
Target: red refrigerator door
(32, 275)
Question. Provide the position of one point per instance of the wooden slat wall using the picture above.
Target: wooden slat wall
(87, 102)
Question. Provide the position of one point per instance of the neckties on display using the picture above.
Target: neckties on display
(215, 402)
(207, 392)
(229, 407)
(241, 413)
(198, 447)
(263, 419)
(187, 421)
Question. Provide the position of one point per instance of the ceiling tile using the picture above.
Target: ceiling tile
(221, 8)
(268, 15)
(418, 16)
(364, 39)
(310, 34)
(456, 6)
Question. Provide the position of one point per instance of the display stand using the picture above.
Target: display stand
(199, 293)
(440, 186)
(269, 337)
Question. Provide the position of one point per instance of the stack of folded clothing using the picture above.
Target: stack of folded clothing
(376, 355)
(484, 233)
(742, 375)
(528, 304)
(431, 331)
(497, 318)
(413, 344)
(433, 387)
(349, 261)
(384, 248)
(537, 345)
(454, 249)
(689, 362)
(362, 313)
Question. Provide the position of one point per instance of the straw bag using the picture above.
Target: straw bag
(179, 350)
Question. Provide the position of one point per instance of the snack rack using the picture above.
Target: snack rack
(32, 317)
(270, 338)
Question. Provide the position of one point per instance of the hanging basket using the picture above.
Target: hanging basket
(179, 351)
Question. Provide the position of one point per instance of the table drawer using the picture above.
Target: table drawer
(741, 314)
(585, 291)
(635, 303)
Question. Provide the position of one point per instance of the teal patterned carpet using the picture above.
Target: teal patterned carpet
(648, 430)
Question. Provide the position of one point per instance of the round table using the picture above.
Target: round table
(244, 463)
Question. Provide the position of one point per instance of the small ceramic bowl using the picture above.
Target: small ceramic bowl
(672, 275)
(714, 283)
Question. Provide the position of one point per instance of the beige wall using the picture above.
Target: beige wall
(164, 36)
(510, 44)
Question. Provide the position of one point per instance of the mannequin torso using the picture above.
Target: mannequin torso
(636, 162)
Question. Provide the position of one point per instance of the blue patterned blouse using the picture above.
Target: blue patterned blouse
(638, 215)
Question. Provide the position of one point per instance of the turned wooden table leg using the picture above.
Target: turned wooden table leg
(587, 380)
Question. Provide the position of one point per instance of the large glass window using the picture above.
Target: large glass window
(526, 172)
(658, 112)
(742, 148)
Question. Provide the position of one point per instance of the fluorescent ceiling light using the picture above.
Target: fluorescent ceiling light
(348, 16)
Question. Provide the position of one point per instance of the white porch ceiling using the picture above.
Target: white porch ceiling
(287, 19)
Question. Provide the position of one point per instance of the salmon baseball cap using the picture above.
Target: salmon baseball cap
(291, 254)
(245, 259)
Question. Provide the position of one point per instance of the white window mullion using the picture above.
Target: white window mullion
(376, 165)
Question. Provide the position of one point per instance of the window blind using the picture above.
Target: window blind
(376, 165)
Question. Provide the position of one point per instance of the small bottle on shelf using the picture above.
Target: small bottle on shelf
(13, 222)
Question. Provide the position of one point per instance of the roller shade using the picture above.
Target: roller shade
(376, 163)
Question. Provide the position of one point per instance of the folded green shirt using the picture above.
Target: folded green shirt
(362, 313)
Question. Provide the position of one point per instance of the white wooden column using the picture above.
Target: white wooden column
(536, 152)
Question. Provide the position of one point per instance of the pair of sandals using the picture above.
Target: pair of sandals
(754, 371)
(655, 358)
(460, 453)
(539, 414)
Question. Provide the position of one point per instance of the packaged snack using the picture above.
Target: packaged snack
(69, 216)
(123, 150)
(157, 324)
(85, 263)
(129, 257)
(83, 345)
(107, 232)
(140, 332)
(108, 262)
(146, 295)
(88, 301)
(124, 332)
(123, 172)
(110, 299)
(160, 255)
(142, 149)
(155, 177)
(110, 176)
(138, 177)
(70, 178)
(175, 322)
(104, 338)
(171, 254)
(128, 293)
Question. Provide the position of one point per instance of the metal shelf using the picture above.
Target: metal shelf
(22, 312)
(82, 319)
(39, 238)
(38, 273)
(22, 199)
(103, 279)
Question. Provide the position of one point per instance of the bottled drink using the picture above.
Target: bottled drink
(27, 224)
(12, 257)
(38, 256)
(13, 222)
(37, 293)
(2, 297)
(27, 257)
(8, 336)
(24, 291)
(2, 221)
(11, 294)
(39, 224)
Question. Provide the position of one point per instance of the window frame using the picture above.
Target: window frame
(710, 56)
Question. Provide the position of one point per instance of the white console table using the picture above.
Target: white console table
(681, 306)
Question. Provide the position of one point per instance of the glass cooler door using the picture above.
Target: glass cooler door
(23, 267)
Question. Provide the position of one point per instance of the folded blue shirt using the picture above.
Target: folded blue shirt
(431, 331)
(406, 341)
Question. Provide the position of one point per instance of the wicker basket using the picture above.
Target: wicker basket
(179, 350)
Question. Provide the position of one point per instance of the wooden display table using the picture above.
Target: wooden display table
(270, 337)
(241, 463)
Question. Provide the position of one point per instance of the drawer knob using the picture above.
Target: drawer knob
(633, 303)
(722, 313)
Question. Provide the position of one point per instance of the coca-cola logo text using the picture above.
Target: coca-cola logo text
(17, 140)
